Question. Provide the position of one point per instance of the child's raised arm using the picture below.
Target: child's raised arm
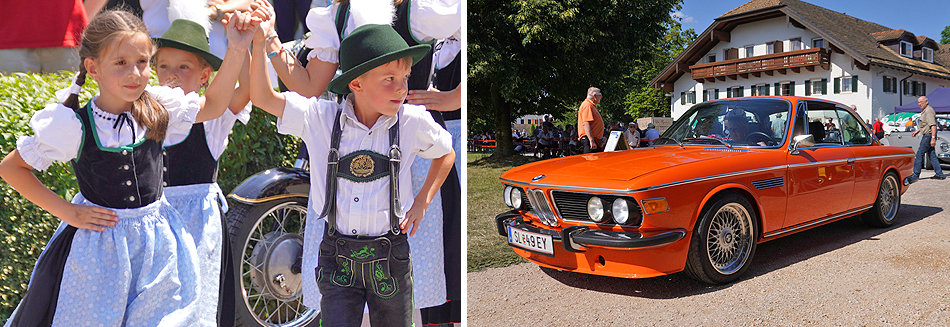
(242, 94)
(220, 93)
(262, 95)
(19, 174)
(438, 171)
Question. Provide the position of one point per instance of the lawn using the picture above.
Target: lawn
(487, 249)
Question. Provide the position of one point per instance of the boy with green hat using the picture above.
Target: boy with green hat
(184, 60)
(371, 139)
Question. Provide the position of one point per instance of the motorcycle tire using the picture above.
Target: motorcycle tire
(267, 242)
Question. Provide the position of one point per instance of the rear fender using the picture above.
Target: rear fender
(273, 184)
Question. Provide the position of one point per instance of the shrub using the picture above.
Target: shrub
(25, 228)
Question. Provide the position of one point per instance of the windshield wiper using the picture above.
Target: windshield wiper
(705, 138)
(667, 138)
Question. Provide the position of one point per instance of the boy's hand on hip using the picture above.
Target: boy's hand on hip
(89, 217)
(413, 218)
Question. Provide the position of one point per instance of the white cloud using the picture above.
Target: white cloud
(683, 18)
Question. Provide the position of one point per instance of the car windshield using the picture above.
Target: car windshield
(943, 123)
(732, 123)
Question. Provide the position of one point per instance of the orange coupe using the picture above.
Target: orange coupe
(728, 174)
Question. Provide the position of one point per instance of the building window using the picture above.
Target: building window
(691, 97)
(927, 54)
(788, 88)
(749, 51)
(890, 84)
(818, 87)
(711, 58)
(906, 87)
(734, 92)
(795, 43)
(846, 84)
(907, 49)
(818, 43)
(763, 89)
(711, 94)
(770, 48)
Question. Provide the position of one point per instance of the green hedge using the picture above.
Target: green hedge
(25, 228)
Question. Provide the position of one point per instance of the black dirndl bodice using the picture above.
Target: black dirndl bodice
(190, 161)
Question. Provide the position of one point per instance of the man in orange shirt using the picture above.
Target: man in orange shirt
(590, 126)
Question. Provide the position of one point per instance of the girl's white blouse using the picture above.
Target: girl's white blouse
(428, 20)
(58, 132)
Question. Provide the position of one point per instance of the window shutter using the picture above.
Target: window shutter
(752, 90)
(766, 87)
(807, 88)
(778, 89)
(837, 85)
(682, 97)
(887, 84)
(778, 49)
(854, 83)
(705, 95)
(741, 92)
(733, 53)
(824, 86)
(791, 88)
(729, 92)
(716, 94)
(923, 88)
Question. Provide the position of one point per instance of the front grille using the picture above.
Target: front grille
(539, 204)
(573, 206)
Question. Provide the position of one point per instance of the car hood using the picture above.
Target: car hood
(607, 169)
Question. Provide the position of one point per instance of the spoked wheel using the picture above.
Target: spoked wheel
(723, 241)
(268, 244)
(884, 211)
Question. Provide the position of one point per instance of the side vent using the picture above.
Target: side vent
(769, 183)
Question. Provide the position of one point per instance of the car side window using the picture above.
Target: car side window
(800, 121)
(852, 129)
(824, 126)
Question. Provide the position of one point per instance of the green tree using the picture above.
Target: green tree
(945, 35)
(540, 56)
(644, 100)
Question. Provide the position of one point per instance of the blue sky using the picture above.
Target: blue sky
(921, 17)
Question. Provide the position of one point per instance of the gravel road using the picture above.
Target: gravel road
(840, 274)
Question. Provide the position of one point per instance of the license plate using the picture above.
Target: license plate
(531, 241)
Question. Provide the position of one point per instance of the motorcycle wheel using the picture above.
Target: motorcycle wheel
(267, 242)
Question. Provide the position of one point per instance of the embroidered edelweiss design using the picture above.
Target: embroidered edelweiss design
(362, 166)
(364, 253)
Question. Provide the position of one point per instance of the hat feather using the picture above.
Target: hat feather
(193, 10)
(378, 12)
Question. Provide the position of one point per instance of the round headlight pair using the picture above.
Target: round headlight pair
(944, 147)
(619, 209)
(513, 197)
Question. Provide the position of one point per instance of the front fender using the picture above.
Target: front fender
(273, 184)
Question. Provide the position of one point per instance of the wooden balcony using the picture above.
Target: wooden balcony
(767, 64)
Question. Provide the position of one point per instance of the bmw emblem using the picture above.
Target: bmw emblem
(537, 178)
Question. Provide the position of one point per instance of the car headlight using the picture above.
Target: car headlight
(621, 211)
(944, 147)
(513, 197)
(595, 209)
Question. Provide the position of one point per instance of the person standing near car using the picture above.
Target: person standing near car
(590, 126)
(878, 129)
(927, 125)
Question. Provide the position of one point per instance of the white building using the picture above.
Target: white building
(790, 47)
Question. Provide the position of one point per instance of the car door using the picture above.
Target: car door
(820, 177)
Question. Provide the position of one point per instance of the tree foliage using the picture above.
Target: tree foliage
(945, 35)
(540, 56)
(644, 100)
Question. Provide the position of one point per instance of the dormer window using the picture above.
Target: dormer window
(907, 49)
(927, 54)
(818, 43)
(711, 58)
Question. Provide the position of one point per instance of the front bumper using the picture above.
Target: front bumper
(577, 238)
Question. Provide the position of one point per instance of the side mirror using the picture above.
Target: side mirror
(802, 141)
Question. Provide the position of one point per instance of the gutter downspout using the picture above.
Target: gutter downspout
(900, 95)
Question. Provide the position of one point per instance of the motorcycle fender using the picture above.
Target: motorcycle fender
(273, 184)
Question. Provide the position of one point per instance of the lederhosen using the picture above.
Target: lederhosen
(419, 79)
(139, 174)
(190, 162)
(353, 270)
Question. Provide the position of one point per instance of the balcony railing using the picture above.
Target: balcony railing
(768, 64)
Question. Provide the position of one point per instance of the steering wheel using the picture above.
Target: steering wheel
(756, 137)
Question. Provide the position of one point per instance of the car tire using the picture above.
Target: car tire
(265, 236)
(927, 164)
(886, 204)
(723, 241)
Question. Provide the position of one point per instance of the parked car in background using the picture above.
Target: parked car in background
(897, 122)
(905, 139)
(715, 184)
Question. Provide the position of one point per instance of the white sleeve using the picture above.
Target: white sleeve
(217, 130)
(435, 19)
(57, 137)
(182, 108)
(323, 40)
(432, 141)
(307, 118)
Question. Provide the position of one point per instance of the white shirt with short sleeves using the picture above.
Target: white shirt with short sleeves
(216, 130)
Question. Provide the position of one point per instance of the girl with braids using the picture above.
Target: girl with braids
(124, 258)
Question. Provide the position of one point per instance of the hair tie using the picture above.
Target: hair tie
(73, 88)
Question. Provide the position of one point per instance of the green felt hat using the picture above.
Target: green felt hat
(189, 36)
(368, 47)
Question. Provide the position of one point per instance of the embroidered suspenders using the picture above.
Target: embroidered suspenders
(362, 167)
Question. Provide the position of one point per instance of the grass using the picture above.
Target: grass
(487, 249)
